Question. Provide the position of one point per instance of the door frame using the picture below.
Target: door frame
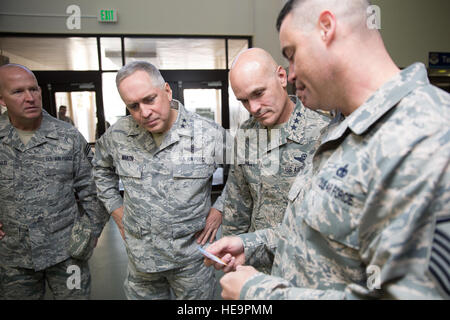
(71, 81)
(199, 79)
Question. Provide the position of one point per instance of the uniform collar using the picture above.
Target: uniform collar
(383, 100)
(296, 122)
(290, 129)
(46, 131)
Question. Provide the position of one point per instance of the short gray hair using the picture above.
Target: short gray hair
(132, 67)
(307, 11)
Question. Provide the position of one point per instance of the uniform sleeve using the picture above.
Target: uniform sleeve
(221, 137)
(262, 287)
(260, 247)
(238, 204)
(84, 186)
(106, 180)
(396, 232)
(397, 237)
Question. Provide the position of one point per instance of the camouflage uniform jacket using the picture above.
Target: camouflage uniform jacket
(257, 198)
(167, 189)
(366, 219)
(39, 183)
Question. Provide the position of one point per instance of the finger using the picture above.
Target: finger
(207, 262)
(206, 237)
(216, 248)
(200, 237)
(217, 266)
(213, 236)
(231, 265)
(224, 283)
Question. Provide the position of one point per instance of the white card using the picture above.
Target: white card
(211, 256)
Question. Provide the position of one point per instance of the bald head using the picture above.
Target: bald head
(260, 84)
(254, 60)
(10, 69)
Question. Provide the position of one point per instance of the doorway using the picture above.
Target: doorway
(202, 91)
(81, 93)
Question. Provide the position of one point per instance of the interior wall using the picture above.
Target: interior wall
(410, 28)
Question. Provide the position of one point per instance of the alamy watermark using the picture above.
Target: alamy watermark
(258, 147)
(74, 278)
(373, 17)
(73, 21)
(374, 277)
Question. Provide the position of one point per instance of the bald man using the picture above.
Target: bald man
(44, 166)
(368, 222)
(257, 188)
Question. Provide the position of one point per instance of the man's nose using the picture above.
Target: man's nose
(254, 107)
(146, 111)
(291, 75)
(29, 95)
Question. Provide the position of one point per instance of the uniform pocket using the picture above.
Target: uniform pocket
(59, 169)
(334, 208)
(133, 230)
(127, 169)
(6, 172)
(193, 171)
(182, 229)
(7, 182)
(55, 225)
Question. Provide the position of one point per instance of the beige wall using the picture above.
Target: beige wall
(411, 28)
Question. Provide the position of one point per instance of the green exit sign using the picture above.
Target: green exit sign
(107, 15)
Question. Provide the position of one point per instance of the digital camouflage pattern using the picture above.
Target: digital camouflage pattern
(256, 198)
(37, 193)
(363, 226)
(194, 281)
(167, 189)
(82, 240)
(68, 280)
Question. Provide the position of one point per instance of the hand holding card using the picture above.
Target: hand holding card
(211, 256)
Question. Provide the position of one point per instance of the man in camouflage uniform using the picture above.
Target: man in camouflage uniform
(369, 221)
(165, 157)
(44, 166)
(257, 188)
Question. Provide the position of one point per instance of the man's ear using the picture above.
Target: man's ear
(168, 91)
(282, 76)
(327, 26)
(2, 102)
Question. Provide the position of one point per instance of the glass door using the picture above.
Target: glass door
(80, 92)
(78, 108)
